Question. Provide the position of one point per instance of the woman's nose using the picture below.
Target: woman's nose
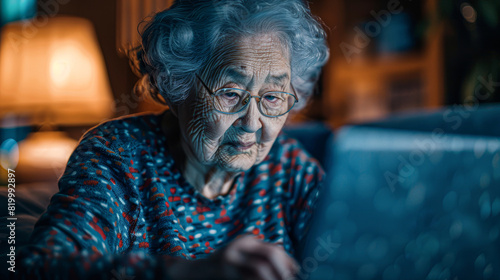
(250, 121)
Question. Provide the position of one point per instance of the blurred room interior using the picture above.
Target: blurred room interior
(387, 57)
(410, 96)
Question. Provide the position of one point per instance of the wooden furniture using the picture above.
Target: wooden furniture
(368, 85)
(129, 14)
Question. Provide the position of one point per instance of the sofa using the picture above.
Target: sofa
(415, 196)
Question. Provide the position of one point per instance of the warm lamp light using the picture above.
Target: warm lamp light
(55, 73)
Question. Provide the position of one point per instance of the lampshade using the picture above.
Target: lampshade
(54, 72)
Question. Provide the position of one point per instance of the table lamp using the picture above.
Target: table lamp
(52, 74)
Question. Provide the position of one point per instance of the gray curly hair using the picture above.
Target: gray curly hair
(178, 42)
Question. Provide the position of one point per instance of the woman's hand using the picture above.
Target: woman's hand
(244, 258)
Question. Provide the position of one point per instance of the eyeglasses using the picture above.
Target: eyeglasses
(233, 100)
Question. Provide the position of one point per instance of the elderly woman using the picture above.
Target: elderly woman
(208, 189)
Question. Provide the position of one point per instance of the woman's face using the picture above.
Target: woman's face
(236, 142)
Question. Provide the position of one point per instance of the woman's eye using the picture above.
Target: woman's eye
(229, 98)
(270, 98)
(230, 94)
(273, 98)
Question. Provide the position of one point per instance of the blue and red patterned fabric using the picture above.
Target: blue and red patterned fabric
(124, 208)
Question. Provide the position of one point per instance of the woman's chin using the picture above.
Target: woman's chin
(237, 162)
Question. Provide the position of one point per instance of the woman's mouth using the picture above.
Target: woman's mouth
(242, 145)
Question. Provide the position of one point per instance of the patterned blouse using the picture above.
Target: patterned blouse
(125, 210)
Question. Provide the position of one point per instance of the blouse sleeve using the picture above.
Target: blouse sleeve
(78, 237)
(305, 187)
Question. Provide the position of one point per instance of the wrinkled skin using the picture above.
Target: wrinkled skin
(211, 141)
(213, 154)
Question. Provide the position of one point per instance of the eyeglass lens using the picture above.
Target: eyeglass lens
(230, 100)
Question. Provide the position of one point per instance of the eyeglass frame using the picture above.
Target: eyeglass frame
(252, 96)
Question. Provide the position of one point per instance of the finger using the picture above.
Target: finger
(291, 263)
(240, 254)
(276, 255)
(238, 264)
(256, 267)
(281, 264)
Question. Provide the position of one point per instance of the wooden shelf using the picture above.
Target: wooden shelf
(366, 87)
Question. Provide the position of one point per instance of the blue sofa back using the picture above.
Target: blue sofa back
(480, 121)
(413, 197)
